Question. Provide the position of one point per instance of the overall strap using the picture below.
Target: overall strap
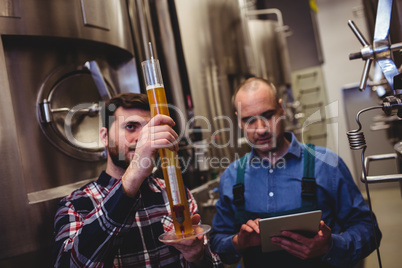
(238, 191)
(309, 185)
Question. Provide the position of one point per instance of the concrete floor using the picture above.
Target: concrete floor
(387, 206)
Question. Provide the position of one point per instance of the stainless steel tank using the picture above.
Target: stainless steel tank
(49, 110)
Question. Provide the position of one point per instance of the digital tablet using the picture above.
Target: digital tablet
(306, 223)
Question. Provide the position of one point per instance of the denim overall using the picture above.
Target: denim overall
(254, 257)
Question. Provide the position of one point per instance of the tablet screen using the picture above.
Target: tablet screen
(306, 223)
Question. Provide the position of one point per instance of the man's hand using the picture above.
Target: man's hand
(248, 236)
(304, 247)
(192, 249)
(157, 134)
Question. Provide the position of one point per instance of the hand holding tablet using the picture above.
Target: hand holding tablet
(306, 223)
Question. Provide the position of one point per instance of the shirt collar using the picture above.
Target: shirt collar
(295, 148)
(105, 179)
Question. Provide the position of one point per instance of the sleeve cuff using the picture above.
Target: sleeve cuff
(207, 261)
(231, 254)
(336, 250)
(119, 206)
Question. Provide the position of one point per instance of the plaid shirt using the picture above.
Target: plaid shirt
(99, 226)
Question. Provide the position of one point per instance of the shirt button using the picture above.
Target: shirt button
(271, 194)
(271, 170)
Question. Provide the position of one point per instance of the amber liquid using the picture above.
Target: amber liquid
(171, 168)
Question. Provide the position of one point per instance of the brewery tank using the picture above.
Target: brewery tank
(46, 49)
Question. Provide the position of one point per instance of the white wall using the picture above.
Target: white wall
(338, 42)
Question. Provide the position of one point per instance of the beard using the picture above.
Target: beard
(118, 159)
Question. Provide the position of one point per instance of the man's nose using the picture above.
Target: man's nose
(262, 125)
(132, 138)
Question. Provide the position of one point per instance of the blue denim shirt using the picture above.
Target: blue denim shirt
(277, 188)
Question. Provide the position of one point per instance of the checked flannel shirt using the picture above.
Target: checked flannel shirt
(99, 226)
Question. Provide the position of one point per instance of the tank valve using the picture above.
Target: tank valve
(392, 105)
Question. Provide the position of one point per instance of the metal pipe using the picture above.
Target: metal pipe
(357, 32)
(380, 178)
(268, 11)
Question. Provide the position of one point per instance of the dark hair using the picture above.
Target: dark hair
(124, 100)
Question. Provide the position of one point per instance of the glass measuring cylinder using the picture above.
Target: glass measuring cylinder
(170, 164)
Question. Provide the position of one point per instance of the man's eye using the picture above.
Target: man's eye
(131, 127)
(251, 120)
(266, 117)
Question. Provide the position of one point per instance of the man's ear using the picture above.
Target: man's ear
(238, 121)
(104, 136)
(282, 107)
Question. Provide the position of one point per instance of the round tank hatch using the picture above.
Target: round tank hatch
(68, 110)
